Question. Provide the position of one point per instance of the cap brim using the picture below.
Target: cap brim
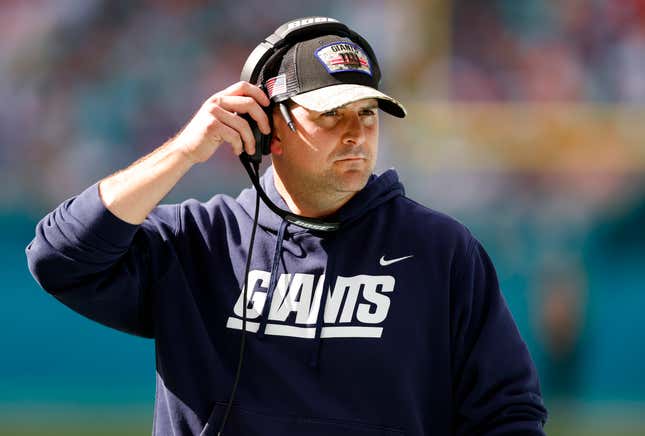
(335, 96)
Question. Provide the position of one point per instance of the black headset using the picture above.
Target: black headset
(272, 48)
(278, 42)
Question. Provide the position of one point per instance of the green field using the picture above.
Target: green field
(76, 421)
(137, 420)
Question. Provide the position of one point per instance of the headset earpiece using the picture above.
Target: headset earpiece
(262, 141)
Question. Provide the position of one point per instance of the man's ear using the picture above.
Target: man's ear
(276, 145)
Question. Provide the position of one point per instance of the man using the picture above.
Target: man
(393, 324)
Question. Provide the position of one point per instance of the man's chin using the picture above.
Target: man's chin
(352, 179)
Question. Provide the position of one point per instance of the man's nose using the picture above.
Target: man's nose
(354, 132)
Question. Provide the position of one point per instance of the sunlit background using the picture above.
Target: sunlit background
(526, 122)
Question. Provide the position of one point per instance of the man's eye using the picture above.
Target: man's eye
(368, 112)
(331, 113)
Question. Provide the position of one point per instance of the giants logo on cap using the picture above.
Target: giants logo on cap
(339, 57)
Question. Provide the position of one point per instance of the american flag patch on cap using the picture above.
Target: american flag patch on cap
(276, 85)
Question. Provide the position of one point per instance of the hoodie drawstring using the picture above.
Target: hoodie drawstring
(314, 358)
(273, 281)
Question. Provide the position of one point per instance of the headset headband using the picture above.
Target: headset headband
(293, 32)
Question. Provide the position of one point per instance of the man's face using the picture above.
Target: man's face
(331, 153)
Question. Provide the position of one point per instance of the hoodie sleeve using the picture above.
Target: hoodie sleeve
(496, 387)
(99, 265)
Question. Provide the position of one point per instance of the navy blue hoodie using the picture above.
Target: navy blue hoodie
(413, 338)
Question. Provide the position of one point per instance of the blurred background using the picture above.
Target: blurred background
(526, 122)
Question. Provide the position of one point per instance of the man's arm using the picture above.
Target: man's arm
(132, 193)
(496, 387)
(99, 252)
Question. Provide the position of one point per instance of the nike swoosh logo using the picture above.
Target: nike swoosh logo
(384, 262)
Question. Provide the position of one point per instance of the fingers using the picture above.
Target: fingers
(239, 125)
(225, 108)
(219, 119)
(245, 105)
(233, 137)
(245, 88)
(242, 97)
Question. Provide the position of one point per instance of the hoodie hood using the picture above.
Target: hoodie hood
(378, 190)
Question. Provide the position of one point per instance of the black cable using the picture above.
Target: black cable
(301, 221)
(256, 175)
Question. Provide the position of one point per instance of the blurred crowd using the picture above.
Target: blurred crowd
(537, 50)
(88, 86)
(93, 84)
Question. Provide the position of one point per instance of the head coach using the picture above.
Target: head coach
(334, 306)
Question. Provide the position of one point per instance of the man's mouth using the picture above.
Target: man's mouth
(351, 157)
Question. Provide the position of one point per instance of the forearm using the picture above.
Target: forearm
(132, 193)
